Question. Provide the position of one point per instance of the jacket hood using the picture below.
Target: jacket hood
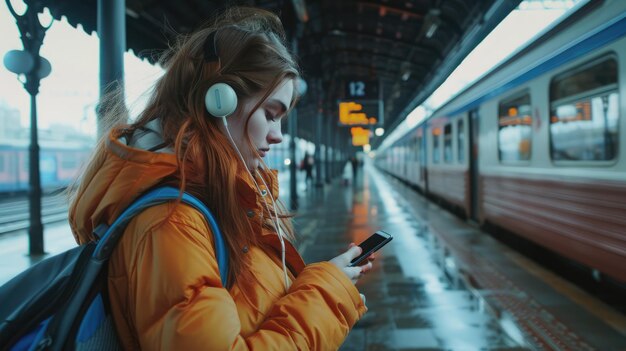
(120, 173)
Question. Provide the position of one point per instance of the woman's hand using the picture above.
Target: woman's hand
(343, 261)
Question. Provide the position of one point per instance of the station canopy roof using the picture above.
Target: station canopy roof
(405, 47)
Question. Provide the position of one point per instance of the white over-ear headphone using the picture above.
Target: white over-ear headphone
(220, 99)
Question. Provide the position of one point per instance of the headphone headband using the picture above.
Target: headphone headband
(210, 48)
(220, 99)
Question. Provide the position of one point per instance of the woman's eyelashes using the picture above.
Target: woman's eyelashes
(270, 116)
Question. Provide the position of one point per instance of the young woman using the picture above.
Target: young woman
(164, 284)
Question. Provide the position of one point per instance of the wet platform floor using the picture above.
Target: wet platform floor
(440, 284)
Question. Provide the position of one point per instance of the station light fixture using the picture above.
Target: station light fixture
(431, 22)
(431, 30)
(31, 68)
(22, 62)
(287, 162)
(379, 131)
(367, 148)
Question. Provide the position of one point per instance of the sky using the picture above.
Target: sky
(69, 94)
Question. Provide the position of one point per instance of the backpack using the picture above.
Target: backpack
(61, 302)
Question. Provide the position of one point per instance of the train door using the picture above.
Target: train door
(422, 157)
(473, 165)
(404, 146)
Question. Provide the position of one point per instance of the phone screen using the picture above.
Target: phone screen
(371, 245)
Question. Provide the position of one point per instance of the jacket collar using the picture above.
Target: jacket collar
(254, 198)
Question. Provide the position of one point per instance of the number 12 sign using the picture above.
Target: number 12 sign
(361, 89)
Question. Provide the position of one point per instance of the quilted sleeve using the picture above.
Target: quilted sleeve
(176, 300)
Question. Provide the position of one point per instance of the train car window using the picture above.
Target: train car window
(419, 155)
(585, 78)
(584, 113)
(447, 143)
(417, 148)
(405, 150)
(460, 142)
(515, 129)
(436, 152)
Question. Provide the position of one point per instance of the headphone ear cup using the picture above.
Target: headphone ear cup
(220, 100)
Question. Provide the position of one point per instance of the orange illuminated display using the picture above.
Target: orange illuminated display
(360, 136)
(351, 113)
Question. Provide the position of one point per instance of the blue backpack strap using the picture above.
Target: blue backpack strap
(111, 236)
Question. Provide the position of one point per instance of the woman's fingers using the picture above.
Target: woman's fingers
(343, 261)
(366, 267)
(352, 253)
(371, 257)
(353, 273)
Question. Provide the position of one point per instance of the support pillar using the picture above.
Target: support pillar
(32, 33)
(319, 120)
(112, 33)
(329, 142)
(293, 131)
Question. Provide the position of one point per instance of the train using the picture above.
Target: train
(59, 164)
(537, 145)
(61, 161)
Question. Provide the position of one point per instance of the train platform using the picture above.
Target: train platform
(441, 284)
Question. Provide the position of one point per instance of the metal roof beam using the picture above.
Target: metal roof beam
(338, 33)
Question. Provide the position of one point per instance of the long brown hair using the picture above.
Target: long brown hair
(254, 60)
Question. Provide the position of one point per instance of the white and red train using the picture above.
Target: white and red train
(538, 145)
(59, 164)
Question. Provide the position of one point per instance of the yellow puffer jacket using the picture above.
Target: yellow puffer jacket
(164, 283)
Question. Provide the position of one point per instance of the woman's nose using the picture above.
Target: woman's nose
(275, 135)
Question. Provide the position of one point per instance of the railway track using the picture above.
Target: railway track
(14, 213)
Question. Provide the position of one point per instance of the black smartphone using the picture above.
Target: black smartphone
(371, 245)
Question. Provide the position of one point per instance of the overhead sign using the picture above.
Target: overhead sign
(361, 89)
(360, 113)
(360, 136)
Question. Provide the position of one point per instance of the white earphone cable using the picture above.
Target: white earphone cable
(274, 218)
(278, 229)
